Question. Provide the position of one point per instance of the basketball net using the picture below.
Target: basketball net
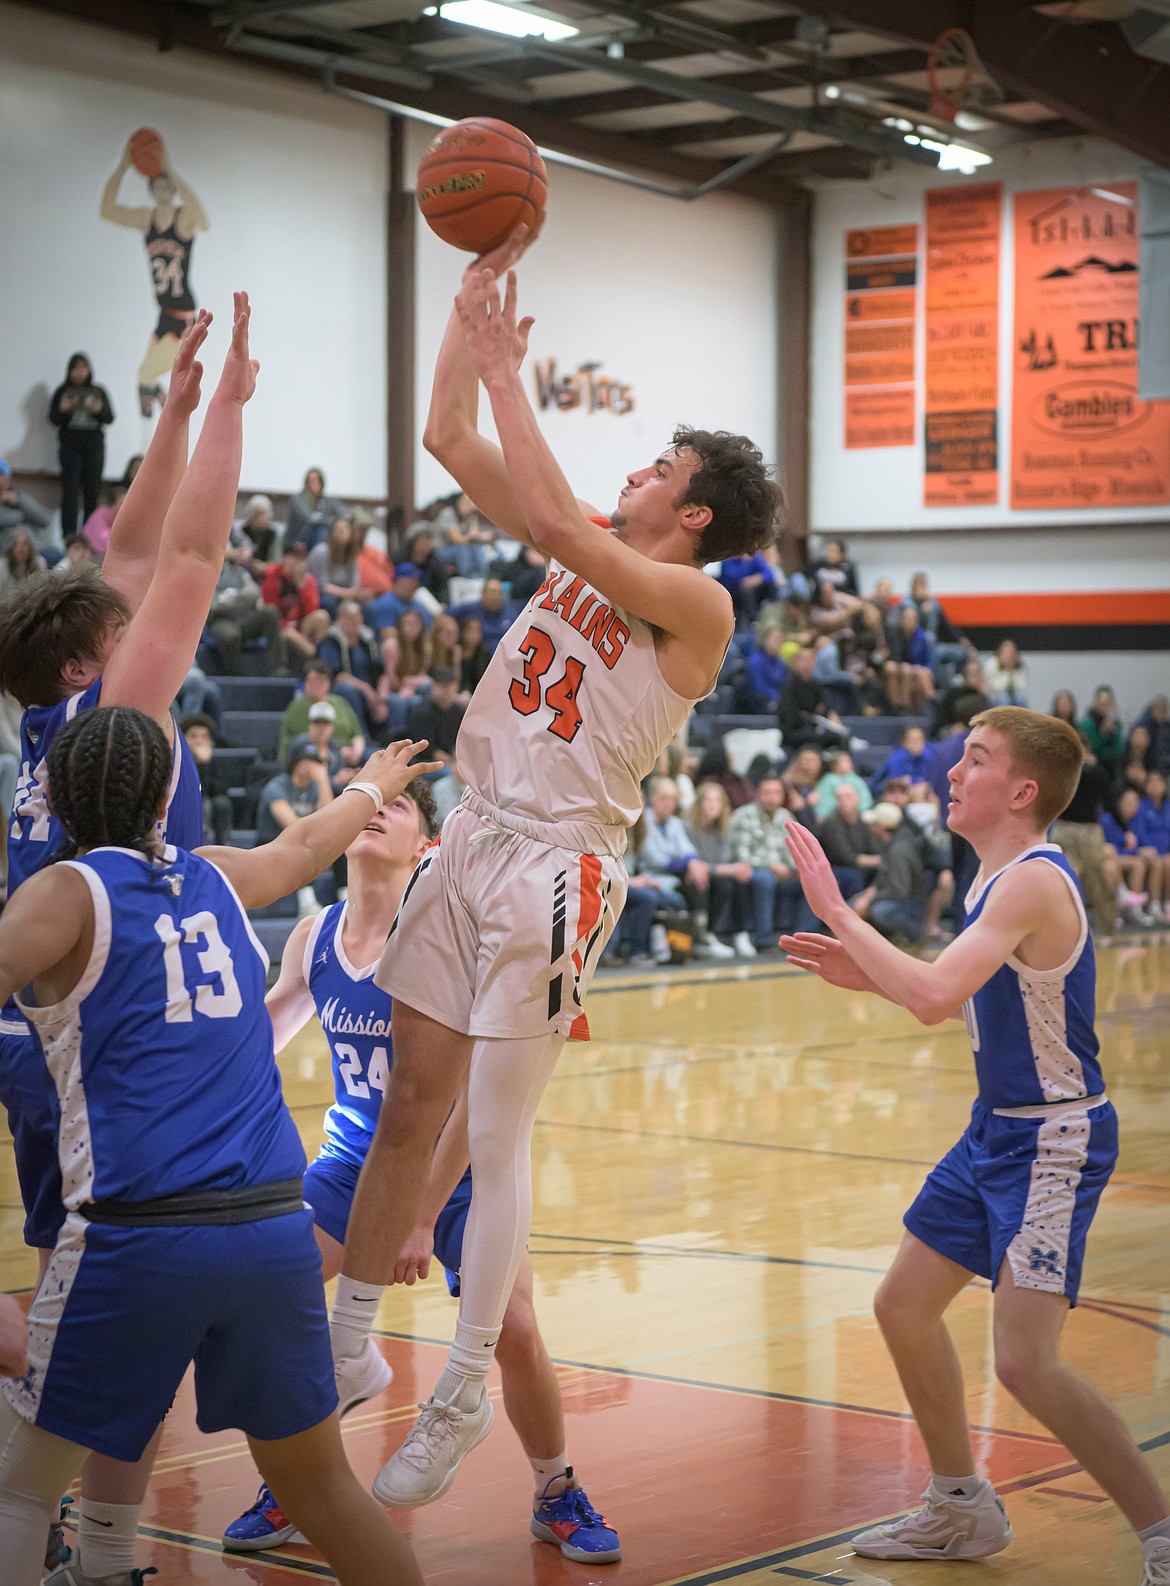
(956, 75)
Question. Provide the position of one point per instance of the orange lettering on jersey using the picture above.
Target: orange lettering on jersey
(582, 611)
(615, 642)
(594, 628)
(548, 586)
(564, 601)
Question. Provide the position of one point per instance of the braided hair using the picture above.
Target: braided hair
(108, 775)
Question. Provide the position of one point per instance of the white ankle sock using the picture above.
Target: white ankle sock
(546, 1470)
(354, 1309)
(1155, 1533)
(106, 1534)
(955, 1486)
(463, 1379)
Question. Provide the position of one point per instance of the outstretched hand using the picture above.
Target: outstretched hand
(238, 380)
(497, 344)
(826, 957)
(816, 873)
(509, 253)
(187, 372)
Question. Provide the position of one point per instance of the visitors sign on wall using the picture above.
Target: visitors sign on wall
(1080, 435)
(960, 431)
(881, 295)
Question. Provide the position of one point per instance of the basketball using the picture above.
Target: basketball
(478, 180)
(146, 152)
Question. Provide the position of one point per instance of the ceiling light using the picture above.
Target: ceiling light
(831, 91)
(953, 156)
(515, 21)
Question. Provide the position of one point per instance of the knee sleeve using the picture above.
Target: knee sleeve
(35, 1469)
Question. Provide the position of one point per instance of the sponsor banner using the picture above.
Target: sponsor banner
(1080, 435)
(882, 417)
(881, 301)
(961, 362)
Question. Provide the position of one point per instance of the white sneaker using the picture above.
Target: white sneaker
(659, 944)
(424, 1467)
(713, 948)
(1157, 1570)
(361, 1377)
(744, 945)
(946, 1528)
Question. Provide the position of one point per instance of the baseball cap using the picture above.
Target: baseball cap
(887, 816)
(322, 711)
(406, 570)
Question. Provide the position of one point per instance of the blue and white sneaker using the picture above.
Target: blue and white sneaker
(262, 1526)
(569, 1521)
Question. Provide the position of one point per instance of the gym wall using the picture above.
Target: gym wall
(294, 184)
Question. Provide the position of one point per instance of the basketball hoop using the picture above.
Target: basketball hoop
(956, 75)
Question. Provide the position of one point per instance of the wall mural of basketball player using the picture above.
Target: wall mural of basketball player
(169, 225)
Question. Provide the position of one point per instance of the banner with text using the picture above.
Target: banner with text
(1080, 435)
(960, 426)
(881, 293)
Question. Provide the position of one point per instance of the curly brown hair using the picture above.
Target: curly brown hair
(49, 620)
(733, 480)
(419, 793)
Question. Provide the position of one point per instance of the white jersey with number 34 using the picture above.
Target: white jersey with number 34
(570, 716)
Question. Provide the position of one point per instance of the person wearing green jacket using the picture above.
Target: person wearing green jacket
(347, 731)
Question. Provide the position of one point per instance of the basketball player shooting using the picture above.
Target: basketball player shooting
(501, 928)
(169, 226)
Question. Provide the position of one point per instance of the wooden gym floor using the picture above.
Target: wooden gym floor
(720, 1176)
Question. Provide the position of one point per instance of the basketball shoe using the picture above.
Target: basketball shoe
(947, 1527)
(262, 1526)
(424, 1467)
(361, 1377)
(1157, 1570)
(569, 1521)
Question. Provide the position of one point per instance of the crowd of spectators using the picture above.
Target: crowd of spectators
(388, 634)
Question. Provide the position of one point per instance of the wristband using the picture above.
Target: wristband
(371, 789)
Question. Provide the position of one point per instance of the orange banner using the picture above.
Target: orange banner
(960, 426)
(1080, 436)
(879, 418)
(881, 298)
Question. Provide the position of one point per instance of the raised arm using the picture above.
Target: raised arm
(132, 555)
(681, 601)
(151, 661)
(136, 217)
(42, 927)
(303, 850)
(290, 1002)
(193, 216)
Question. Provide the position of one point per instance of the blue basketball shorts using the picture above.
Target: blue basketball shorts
(123, 1312)
(330, 1186)
(1020, 1189)
(30, 1100)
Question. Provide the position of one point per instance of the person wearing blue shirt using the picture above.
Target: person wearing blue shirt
(1151, 824)
(186, 1236)
(402, 595)
(913, 758)
(490, 611)
(749, 580)
(667, 856)
(766, 671)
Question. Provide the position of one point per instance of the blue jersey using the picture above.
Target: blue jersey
(355, 1016)
(162, 1056)
(1032, 1029)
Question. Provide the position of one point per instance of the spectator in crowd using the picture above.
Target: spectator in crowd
(1007, 676)
(909, 675)
(764, 676)
(841, 773)
(492, 613)
(1079, 834)
(438, 715)
(384, 614)
(1139, 867)
(408, 655)
(237, 613)
(350, 650)
(318, 740)
(750, 581)
(78, 553)
(896, 901)
(949, 648)
(19, 510)
(375, 572)
(319, 686)
(302, 787)
(972, 681)
(668, 856)
(673, 763)
(291, 588)
(1064, 707)
(200, 734)
(757, 834)
(834, 567)
(791, 616)
(446, 649)
(1155, 723)
(861, 652)
(850, 843)
(333, 563)
(1134, 772)
(476, 657)
(470, 537)
(98, 527)
(714, 766)
(1152, 824)
(525, 575)
(312, 511)
(803, 714)
(80, 409)
(802, 777)
(435, 570)
(257, 534)
(1103, 729)
(832, 609)
(913, 759)
(640, 937)
(730, 911)
(839, 684)
(20, 561)
(886, 602)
